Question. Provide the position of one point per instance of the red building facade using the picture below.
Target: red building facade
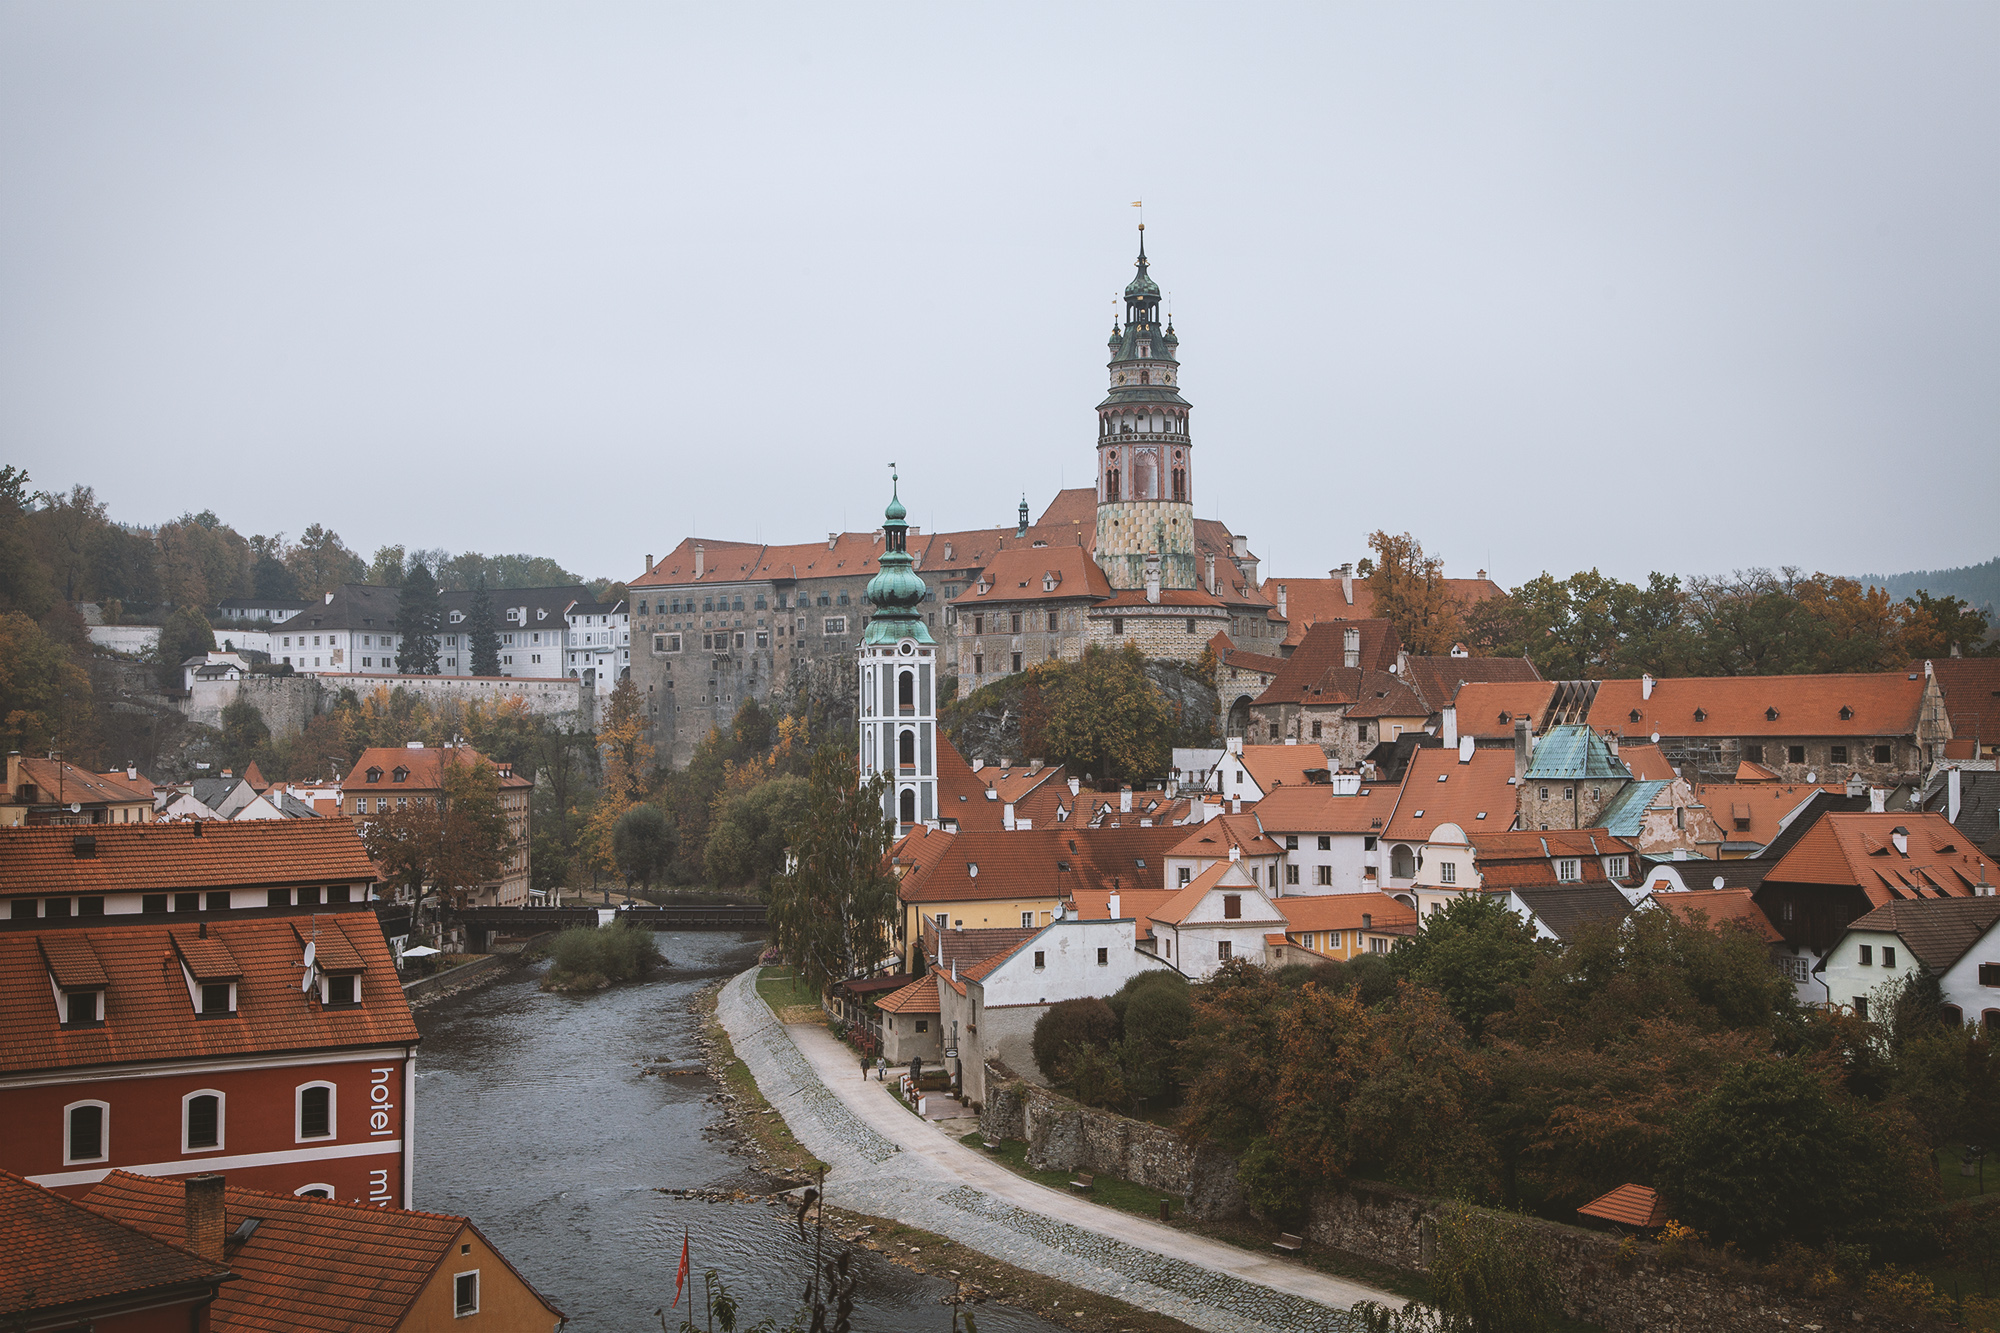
(211, 1047)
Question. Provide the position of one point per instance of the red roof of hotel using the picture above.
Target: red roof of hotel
(61, 1253)
(159, 858)
(319, 1265)
(148, 1013)
(1483, 784)
(1859, 850)
(1628, 1205)
(1883, 703)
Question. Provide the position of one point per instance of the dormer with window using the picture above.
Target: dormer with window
(1770, 715)
(400, 775)
(337, 965)
(374, 775)
(77, 981)
(211, 973)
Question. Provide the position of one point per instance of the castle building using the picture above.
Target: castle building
(897, 677)
(717, 623)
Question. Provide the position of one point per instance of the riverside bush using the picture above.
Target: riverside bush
(593, 957)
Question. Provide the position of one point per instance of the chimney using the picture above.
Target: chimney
(203, 1216)
(831, 539)
(1211, 574)
(1112, 903)
(1007, 816)
(700, 558)
(1878, 800)
(1901, 837)
(1153, 577)
(1075, 786)
(1523, 748)
(1347, 582)
(1350, 641)
(13, 773)
(1953, 790)
(1235, 853)
(131, 772)
(1646, 686)
(1125, 799)
(649, 562)
(1611, 741)
(1451, 728)
(1281, 601)
(1236, 805)
(329, 602)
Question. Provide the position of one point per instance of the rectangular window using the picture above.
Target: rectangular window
(1104, 957)
(1795, 969)
(340, 990)
(1754, 753)
(219, 901)
(1222, 951)
(1888, 956)
(1323, 875)
(203, 1122)
(1039, 960)
(923, 1025)
(277, 897)
(1232, 907)
(1861, 1006)
(1190, 624)
(836, 624)
(1447, 872)
(86, 1134)
(55, 907)
(1052, 622)
(1795, 754)
(979, 624)
(153, 904)
(1117, 624)
(1291, 874)
(1376, 944)
(1568, 869)
(1017, 661)
(1616, 867)
(215, 997)
(1291, 842)
(187, 902)
(1185, 875)
(1316, 731)
(763, 638)
(465, 1294)
(979, 664)
(1027, 920)
(1014, 623)
(90, 905)
(80, 1008)
(1867, 956)
(1837, 754)
(316, 1112)
(1881, 754)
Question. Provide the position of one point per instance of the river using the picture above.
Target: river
(533, 1119)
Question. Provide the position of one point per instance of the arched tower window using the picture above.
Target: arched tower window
(1111, 484)
(907, 804)
(906, 690)
(1146, 475)
(1145, 377)
(1180, 484)
(906, 749)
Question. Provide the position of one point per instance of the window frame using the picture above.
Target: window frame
(332, 1134)
(459, 1309)
(1569, 869)
(103, 1132)
(188, 1147)
(314, 1191)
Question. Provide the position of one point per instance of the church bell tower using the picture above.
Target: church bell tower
(898, 682)
(1145, 464)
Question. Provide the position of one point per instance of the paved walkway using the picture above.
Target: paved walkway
(886, 1162)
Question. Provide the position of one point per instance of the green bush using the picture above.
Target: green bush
(1069, 1029)
(588, 956)
(1485, 1281)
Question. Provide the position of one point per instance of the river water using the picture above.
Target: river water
(534, 1120)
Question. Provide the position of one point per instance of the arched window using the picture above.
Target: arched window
(1145, 377)
(86, 1132)
(906, 689)
(1180, 484)
(906, 749)
(314, 1191)
(315, 1111)
(1146, 475)
(201, 1121)
(1402, 862)
(1111, 484)
(1951, 1015)
(907, 804)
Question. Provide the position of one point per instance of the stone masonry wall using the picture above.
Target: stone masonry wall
(1645, 1293)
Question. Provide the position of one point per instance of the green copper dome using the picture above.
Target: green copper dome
(896, 592)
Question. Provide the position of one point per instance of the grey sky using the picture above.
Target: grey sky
(1680, 286)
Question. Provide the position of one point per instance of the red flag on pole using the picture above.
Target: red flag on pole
(680, 1278)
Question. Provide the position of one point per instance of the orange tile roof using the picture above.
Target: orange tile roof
(1753, 811)
(71, 961)
(1437, 679)
(148, 1015)
(1720, 905)
(1074, 507)
(1035, 863)
(1482, 784)
(1218, 835)
(1221, 875)
(1859, 850)
(1343, 911)
(1882, 703)
(1647, 762)
(61, 1253)
(961, 795)
(1019, 575)
(1749, 772)
(58, 779)
(1227, 653)
(1517, 859)
(315, 1265)
(424, 768)
(208, 854)
(1309, 673)
(1316, 809)
(919, 997)
(1971, 688)
(1275, 766)
(971, 946)
(1628, 1205)
(1488, 709)
(1310, 601)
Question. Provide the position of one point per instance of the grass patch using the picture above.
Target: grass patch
(787, 995)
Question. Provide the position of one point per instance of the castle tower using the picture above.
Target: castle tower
(898, 682)
(1145, 465)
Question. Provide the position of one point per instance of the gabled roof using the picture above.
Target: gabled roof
(148, 1015)
(315, 1265)
(1971, 688)
(1223, 875)
(1139, 904)
(1720, 905)
(1573, 753)
(919, 997)
(60, 1253)
(1628, 1205)
(1050, 862)
(966, 947)
(160, 858)
(423, 768)
(1937, 931)
(1227, 653)
(1306, 676)
(1529, 856)
(1275, 766)
(1343, 911)
(1882, 703)
(1481, 785)
(1754, 811)
(1749, 772)
(1437, 679)
(58, 780)
(1308, 601)
(1859, 850)
(1075, 507)
(1569, 909)
(1626, 815)
(1218, 835)
(1647, 762)
(1317, 809)
(1024, 573)
(1488, 709)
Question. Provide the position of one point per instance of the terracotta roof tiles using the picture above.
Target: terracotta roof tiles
(1275, 766)
(1882, 703)
(919, 997)
(1628, 1205)
(1316, 672)
(1310, 601)
(1481, 785)
(1488, 709)
(60, 1253)
(131, 858)
(1738, 906)
(1859, 850)
(1937, 931)
(1343, 911)
(1317, 809)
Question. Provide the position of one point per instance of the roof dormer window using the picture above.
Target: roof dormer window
(374, 775)
(1701, 715)
(1770, 715)
(82, 1009)
(1846, 713)
(400, 775)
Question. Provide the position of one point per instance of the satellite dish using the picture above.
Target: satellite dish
(306, 982)
(1656, 738)
(312, 951)
(1719, 881)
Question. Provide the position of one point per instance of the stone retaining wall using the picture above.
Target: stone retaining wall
(451, 980)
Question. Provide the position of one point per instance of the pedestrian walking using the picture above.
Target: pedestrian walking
(864, 1069)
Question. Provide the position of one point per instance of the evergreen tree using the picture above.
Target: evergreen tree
(833, 916)
(419, 616)
(482, 634)
(186, 633)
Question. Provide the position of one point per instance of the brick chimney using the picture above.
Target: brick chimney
(203, 1216)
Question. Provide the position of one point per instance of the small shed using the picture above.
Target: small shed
(1628, 1206)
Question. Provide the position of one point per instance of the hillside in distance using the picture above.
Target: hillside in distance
(1977, 585)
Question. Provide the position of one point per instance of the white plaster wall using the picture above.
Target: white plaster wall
(1842, 976)
(1961, 980)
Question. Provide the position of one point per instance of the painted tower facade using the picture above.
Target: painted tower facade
(898, 683)
(1145, 465)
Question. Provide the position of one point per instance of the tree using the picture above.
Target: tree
(389, 567)
(24, 579)
(749, 835)
(832, 915)
(1070, 1030)
(1941, 626)
(1474, 952)
(244, 735)
(627, 757)
(186, 634)
(1104, 716)
(1409, 589)
(452, 844)
(44, 695)
(642, 842)
(482, 633)
(1233, 1039)
(419, 618)
(270, 577)
(321, 562)
(1154, 1013)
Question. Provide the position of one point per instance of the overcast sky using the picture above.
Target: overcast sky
(1674, 286)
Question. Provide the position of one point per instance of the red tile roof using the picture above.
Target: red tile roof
(1275, 766)
(919, 997)
(1438, 679)
(1647, 762)
(1482, 784)
(1316, 670)
(1859, 850)
(1019, 575)
(1343, 911)
(1878, 704)
(1317, 809)
(1628, 1205)
(1720, 905)
(971, 946)
(1139, 904)
(1227, 653)
(148, 1015)
(1308, 601)
(1515, 859)
(423, 768)
(1135, 598)
(1749, 772)
(59, 780)
(1753, 811)
(1218, 835)
(61, 1253)
(1488, 709)
(1221, 875)
(1040, 862)
(1074, 507)
(1971, 688)
(158, 858)
(315, 1265)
